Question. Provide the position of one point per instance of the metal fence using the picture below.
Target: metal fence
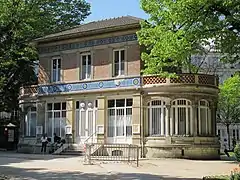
(111, 152)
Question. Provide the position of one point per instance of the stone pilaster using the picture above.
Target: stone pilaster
(194, 124)
(70, 112)
(101, 121)
(171, 122)
(70, 115)
(41, 114)
(168, 117)
(136, 119)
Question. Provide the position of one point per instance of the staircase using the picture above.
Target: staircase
(73, 150)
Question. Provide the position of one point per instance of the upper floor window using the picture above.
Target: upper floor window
(56, 69)
(86, 66)
(118, 62)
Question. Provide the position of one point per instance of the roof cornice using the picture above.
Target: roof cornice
(88, 33)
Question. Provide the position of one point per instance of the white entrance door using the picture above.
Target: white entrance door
(85, 122)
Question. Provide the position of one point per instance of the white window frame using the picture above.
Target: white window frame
(207, 116)
(162, 118)
(119, 62)
(174, 108)
(87, 65)
(28, 122)
(58, 71)
(61, 110)
(124, 108)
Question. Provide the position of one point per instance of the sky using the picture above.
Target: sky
(105, 9)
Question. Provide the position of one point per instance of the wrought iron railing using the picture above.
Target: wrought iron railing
(112, 152)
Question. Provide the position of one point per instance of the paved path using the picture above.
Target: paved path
(45, 167)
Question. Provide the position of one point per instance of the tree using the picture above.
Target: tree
(21, 21)
(228, 112)
(178, 29)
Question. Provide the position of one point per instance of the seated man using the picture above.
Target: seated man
(56, 139)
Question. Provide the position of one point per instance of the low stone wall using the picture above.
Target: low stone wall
(29, 146)
(32, 149)
(201, 148)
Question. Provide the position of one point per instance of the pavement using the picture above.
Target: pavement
(45, 167)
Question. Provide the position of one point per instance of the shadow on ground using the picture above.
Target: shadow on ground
(13, 157)
(42, 174)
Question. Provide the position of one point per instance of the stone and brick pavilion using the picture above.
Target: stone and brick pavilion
(90, 81)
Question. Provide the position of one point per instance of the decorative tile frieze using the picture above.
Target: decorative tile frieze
(88, 86)
(90, 43)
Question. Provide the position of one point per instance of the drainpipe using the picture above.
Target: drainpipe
(142, 124)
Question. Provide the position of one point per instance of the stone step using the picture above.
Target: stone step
(73, 152)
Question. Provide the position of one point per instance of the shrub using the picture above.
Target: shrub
(237, 152)
(216, 177)
(235, 174)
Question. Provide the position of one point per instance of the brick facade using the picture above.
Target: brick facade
(102, 62)
(70, 67)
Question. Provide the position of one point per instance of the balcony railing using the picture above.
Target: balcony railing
(201, 79)
(29, 91)
(119, 83)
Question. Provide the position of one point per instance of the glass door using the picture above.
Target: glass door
(85, 121)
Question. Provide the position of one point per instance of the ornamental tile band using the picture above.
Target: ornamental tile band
(87, 86)
(91, 43)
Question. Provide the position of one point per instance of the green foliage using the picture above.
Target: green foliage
(216, 178)
(178, 29)
(20, 23)
(235, 176)
(229, 101)
(237, 152)
(228, 111)
(38, 18)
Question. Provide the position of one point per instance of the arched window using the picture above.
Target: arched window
(181, 117)
(204, 119)
(156, 118)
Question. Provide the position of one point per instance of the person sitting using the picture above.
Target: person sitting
(56, 139)
(225, 147)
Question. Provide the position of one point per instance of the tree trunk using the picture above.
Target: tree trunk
(228, 136)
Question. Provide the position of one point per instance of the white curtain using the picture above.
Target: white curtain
(49, 124)
(57, 126)
(111, 123)
(120, 122)
(129, 122)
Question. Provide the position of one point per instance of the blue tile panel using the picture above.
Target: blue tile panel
(90, 43)
(88, 86)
